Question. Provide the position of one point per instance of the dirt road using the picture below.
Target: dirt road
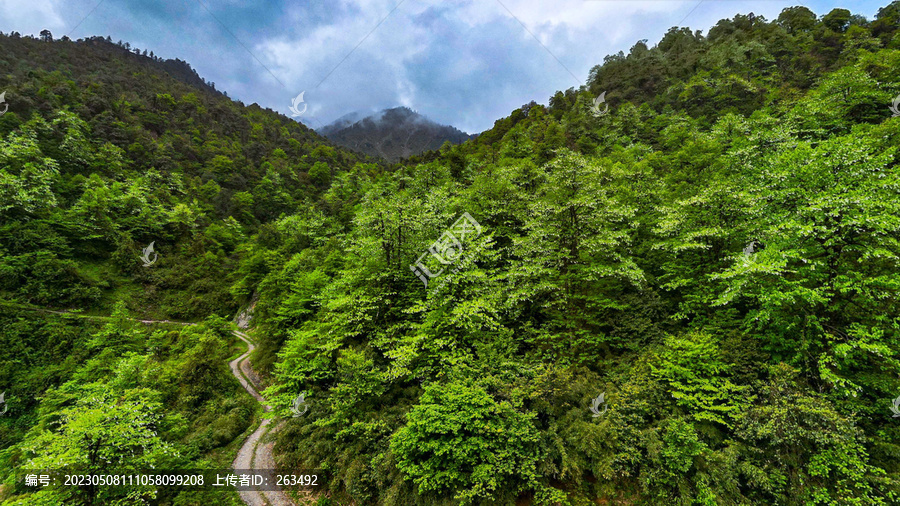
(252, 454)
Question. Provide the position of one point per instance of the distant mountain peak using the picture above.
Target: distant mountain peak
(341, 123)
(391, 134)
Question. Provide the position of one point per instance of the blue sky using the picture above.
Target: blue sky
(459, 62)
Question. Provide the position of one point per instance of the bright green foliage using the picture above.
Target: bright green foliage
(143, 400)
(676, 454)
(733, 216)
(103, 433)
(27, 188)
(459, 439)
(574, 260)
(718, 256)
(697, 377)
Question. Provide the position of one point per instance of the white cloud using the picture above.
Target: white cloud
(463, 62)
(476, 45)
(31, 16)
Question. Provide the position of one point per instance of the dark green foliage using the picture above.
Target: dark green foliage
(613, 261)
(717, 255)
(93, 168)
(136, 398)
(103, 152)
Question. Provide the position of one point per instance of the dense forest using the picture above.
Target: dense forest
(688, 297)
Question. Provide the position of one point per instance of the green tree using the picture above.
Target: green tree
(573, 259)
(103, 432)
(459, 440)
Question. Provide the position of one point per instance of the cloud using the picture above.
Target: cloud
(30, 16)
(460, 62)
(463, 62)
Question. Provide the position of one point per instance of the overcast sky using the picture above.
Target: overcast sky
(460, 62)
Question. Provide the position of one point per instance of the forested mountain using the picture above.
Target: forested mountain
(103, 153)
(392, 134)
(688, 297)
(342, 123)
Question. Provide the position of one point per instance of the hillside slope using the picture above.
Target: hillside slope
(687, 298)
(123, 154)
(104, 154)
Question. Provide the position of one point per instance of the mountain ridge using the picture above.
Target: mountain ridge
(392, 134)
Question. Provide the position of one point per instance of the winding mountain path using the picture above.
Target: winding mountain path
(252, 454)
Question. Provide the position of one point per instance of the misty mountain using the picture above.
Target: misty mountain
(341, 123)
(392, 134)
